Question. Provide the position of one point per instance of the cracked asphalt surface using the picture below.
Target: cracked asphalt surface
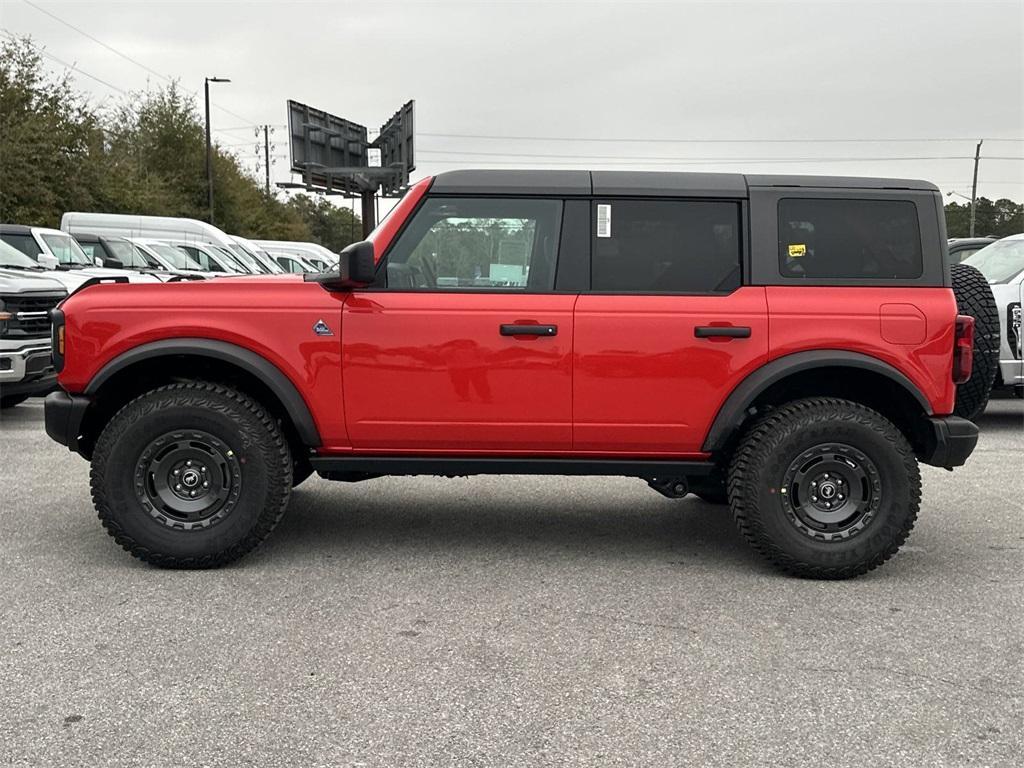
(509, 622)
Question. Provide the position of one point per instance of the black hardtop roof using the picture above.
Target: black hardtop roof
(15, 229)
(645, 183)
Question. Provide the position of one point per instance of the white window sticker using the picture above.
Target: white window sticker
(604, 220)
(373, 157)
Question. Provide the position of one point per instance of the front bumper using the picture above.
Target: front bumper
(63, 415)
(951, 441)
(27, 370)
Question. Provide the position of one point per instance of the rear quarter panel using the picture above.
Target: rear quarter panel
(911, 329)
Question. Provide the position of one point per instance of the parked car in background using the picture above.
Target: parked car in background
(54, 249)
(26, 367)
(264, 258)
(172, 257)
(1002, 264)
(293, 262)
(962, 247)
(210, 257)
(121, 251)
(312, 253)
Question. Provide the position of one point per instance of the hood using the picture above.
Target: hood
(133, 277)
(13, 281)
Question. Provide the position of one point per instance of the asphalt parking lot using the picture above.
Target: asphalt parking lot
(509, 621)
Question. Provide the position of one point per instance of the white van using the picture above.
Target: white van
(166, 228)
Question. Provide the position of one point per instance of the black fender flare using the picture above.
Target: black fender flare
(730, 416)
(268, 373)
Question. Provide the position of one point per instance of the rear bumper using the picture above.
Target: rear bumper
(951, 441)
(63, 414)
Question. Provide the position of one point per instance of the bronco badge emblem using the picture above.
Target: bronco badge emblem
(320, 328)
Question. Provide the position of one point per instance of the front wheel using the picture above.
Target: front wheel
(191, 475)
(825, 488)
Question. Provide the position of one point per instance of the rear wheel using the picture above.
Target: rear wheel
(824, 488)
(191, 475)
(974, 297)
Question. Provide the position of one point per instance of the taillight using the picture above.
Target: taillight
(963, 349)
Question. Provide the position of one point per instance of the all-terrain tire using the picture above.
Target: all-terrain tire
(770, 508)
(974, 297)
(250, 475)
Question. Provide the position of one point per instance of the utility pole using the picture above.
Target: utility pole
(209, 152)
(266, 156)
(974, 183)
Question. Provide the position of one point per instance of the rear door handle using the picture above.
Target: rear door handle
(729, 331)
(511, 329)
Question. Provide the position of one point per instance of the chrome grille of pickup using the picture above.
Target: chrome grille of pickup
(30, 315)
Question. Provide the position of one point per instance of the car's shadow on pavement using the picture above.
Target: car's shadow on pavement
(1004, 415)
(334, 520)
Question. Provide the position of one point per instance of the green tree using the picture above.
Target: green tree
(331, 225)
(991, 218)
(47, 134)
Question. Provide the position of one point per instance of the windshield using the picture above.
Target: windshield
(246, 258)
(129, 255)
(12, 257)
(176, 257)
(229, 260)
(269, 262)
(67, 250)
(1001, 261)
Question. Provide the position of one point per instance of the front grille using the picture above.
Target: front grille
(30, 315)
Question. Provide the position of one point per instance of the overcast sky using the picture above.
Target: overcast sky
(661, 85)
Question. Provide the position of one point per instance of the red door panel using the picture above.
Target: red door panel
(644, 383)
(432, 372)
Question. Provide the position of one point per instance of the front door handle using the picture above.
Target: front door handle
(728, 331)
(511, 329)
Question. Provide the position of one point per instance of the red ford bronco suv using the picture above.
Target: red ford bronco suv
(789, 345)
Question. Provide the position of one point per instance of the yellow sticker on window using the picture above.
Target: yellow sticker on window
(796, 251)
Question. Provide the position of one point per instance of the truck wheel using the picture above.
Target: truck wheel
(191, 475)
(824, 488)
(974, 297)
(12, 400)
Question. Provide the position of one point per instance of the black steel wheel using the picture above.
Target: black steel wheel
(188, 479)
(191, 475)
(824, 488)
(831, 491)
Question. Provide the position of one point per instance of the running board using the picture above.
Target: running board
(462, 465)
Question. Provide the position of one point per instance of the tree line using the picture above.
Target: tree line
(143, 155)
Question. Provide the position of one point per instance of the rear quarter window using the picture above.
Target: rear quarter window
(849, 239)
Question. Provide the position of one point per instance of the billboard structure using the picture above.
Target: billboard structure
(334, 155)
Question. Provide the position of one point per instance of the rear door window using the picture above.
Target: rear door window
(666, 246)
(850, 239)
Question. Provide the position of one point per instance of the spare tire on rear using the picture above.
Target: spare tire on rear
(974, 298)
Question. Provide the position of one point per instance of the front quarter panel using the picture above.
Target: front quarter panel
(272, 317)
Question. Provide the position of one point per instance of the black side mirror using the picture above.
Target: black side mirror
(356, 269)
(112, 263)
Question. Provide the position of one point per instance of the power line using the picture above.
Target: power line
(657, 157)
(634, 139)
(71, 67)
(126, 57)
(714, 161)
